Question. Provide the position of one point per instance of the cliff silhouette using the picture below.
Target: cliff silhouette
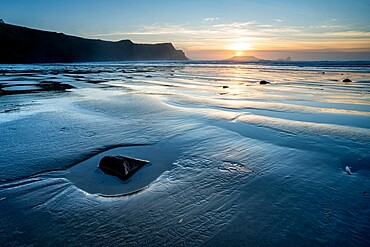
(25, 45)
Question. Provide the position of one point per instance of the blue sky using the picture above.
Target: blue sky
(210, 29)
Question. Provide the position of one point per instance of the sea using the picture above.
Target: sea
(240, 154)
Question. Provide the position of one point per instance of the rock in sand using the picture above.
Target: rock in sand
(263, 82)
(121, 166)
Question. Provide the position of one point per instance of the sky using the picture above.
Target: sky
(206, 29)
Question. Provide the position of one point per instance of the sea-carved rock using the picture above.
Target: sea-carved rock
(121, 166)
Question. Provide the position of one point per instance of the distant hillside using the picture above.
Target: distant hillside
(255, 59)
(244, 59)
(26, 45)
(288, 59)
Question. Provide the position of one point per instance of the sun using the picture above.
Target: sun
(240, 46)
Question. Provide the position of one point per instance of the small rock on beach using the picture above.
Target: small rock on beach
(263, 82)
(121, 166)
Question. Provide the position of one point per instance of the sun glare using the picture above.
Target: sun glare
(243, 46)
(238, 53)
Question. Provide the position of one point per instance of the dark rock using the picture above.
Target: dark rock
(347, 80)
(54, 86)
(44, 86)
(225, 87)
(263, 82)
(121, 166)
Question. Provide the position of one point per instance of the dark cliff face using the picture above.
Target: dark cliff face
(25, 45)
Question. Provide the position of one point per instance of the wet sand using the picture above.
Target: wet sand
(233, 162)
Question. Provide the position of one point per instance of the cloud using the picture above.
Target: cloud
(235, 25)
(259, 35)
(351, 34)
(231, 29)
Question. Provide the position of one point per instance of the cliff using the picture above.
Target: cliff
(26, 45)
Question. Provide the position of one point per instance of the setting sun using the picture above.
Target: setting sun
(240, 47)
